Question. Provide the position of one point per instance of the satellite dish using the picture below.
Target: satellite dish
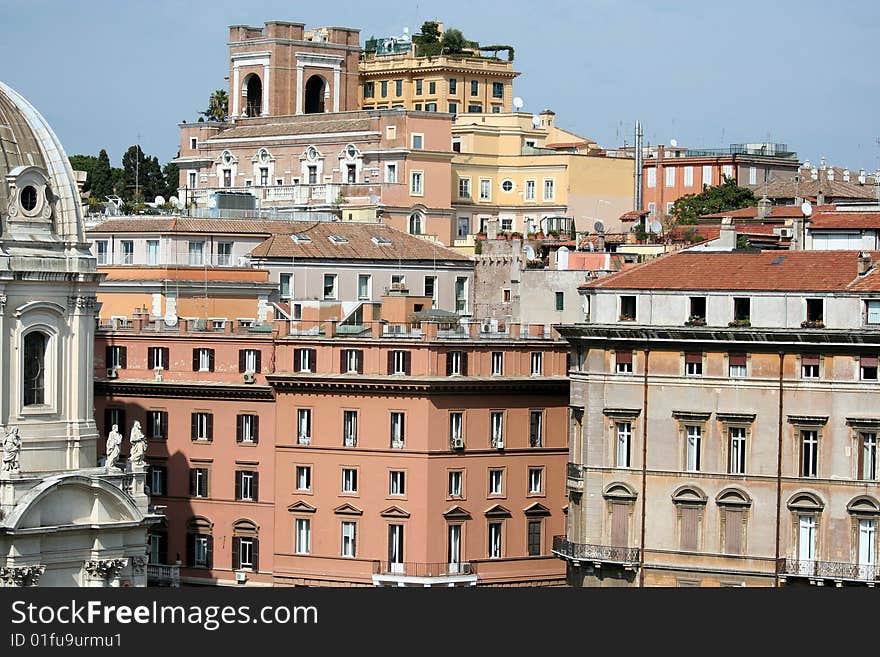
(599, 227)
(806, 208)
(530, 252)
(170, 320)
(160, 200)
(517, 103)
(655, 227)
(536, 120)
(673, 143)
(592, 247)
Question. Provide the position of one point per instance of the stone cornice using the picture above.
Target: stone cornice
(182, 389)
(403, 385)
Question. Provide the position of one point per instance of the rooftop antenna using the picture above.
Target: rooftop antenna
(137, 168)
(517, 103)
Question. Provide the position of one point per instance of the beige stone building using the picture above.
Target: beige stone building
(724, 422)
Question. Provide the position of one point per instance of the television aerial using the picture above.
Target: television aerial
(806, 208)
(599, 227)
(517, 103)
(655, 227)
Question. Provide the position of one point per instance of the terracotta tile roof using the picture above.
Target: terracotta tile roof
(776, 212)
(791, 271)
(359, 244)
(192, 225)
(844, 220)
(831, 189)
(633, 215)
(295, 128)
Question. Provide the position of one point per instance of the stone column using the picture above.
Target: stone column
(236, 91)
(265, 110)
(21, 576)
(101, 573)
(299, 88)
(336, 74)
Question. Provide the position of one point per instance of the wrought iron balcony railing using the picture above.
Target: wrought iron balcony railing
(628, 556)
(833, 570)
(412, 569)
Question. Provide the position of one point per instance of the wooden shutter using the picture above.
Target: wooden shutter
(194, 426)
(619, 524)
(689, 528)
(123, 359)
(737, 359)
(360, 361)
(236, 553)
(255, 486)
(108, 420)
(868, 361)
(407, 363)
(296, 357)
(166, 358)
(238, 484)
(624, 357)
(255, 552)
(210, 552)
(259, 361)
(151, 357)
(210, 360)
(191, 550)
(204, 482)
(239, 428)
(464, 363)
(164, 420)
(449, 363)
(193, 491)
(256, 428)
(342, 364)
(108, 356)
(693, 357)
(390, 361)
(241, 361)
(810, 359)
(313, 359)
(733, 531)
(209, 428)
(196, 360)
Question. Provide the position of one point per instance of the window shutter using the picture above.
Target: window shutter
(238, 484)
(313, 359)
(211, 360)
(209, 429)
(241, 364)
(737, 359)
(166, 362)
(191, 550)
(449, 363)
(624, 357)
(210, 552)
(256, 425)
(810, 359)
(123, 357)
(342, 365)
(464, 363)
(195, 360)
(296, 359)
(239, 428)
(259, 361)
(192, 483)
(164, 420)
(693, 357)
(205, 482)
(360, 361)
(407, 368)
(255, 486)
(868, 361)
(236, 553)
(255, 552)
(194, 426)
(163, 547)
(689, 528)
(121, 416)
(151, 357)
(619, 524)
(390, 362)
(108, 356)
(733, 531)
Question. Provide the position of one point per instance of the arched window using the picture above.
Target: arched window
(254, 92)
(415, 223)
(199, 543)
(315, 87)
(34, 383)
(245, 546)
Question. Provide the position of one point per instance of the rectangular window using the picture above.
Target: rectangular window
(456, 363)
(694, 438)
(623, 362)
(627, 308)
(249, 360)
(432, 88)
(304, 360)
(398, 88)
(398, 429)
(753, 175)
(264, 176)
(303, 536)
(158, 479)
(330, 286)
(534, 538)
(670, 176)
(415, 183)
(369, 89)
(349, 428)
(651, 208)
(497, 363)
(456, 429)
(398, 362)
(652, 177)
(737, 364)
(536, 480)
(196, 253)
(198, 482)
(496, 482)
(475, 87)
(202, 426)
(453, 86)
(707, 175)
(430, 289)
(727, 171)
(742, 309)
(560, 301)
(153, 252)
(452, 108)
(461, 294)
(313, 174)
(365, 284)
(698, 309)
(624, 440)
(349, 538)
(497, 90)
(530, 190)
(737, 450)
(474, 108)
(549, 189)
(464, 188)
(496, 429)
(810, 366)
(419, 87)
(494, 540)
(127, 252)
(868, 456)
(349, 480)
(101, 251)
(246, 485)
(116, 357)
(868, 368)
(224, 254)
(201, 551)
(227, 177)
(417, 141)
(506, 224)
(247, 428)
(693, 363)
(351, 173)
(809, 453)
(485, 189)
(733, 530)
(304, 426)
(536, 428)
(872, 311)
(157, 425)
(455, 483)
(688, 176)
(304, 477)
(351, 361)
(689, 528)
(815, 311)
(395, 547)
(537, 362)
(397, 483)
(383, 89)
(284, 285)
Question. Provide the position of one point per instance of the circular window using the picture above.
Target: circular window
(227, 157)
(351, 150)
(507, 185)
(29, 198)
(312, 153)
(264, 155)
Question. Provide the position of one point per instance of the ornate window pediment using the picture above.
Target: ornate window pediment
(456, 513)
(733, 497)
(863, 505)
(619, 492)
(347, 510)
(262, 156)
(301, 507)
(227, 158)
(497, 511)
(30, 194)
(688, 494)
(311, 154)
(804, 501)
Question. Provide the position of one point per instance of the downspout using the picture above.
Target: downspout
(644, 469)
(778, 473)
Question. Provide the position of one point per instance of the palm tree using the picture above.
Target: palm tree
(218, 106)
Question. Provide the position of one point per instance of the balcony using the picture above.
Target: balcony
(575, 477)
(628, 557)
(423, 574)
(301, 195)
(820, 571)
(159, 574)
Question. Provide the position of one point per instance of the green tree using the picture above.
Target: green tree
(726, 196)
(171, 173)
(134, 164)
(218, 106)
(87, 163)
(454, 42)
(102, 183)
(428, 39)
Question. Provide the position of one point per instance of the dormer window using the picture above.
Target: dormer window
(29, 198)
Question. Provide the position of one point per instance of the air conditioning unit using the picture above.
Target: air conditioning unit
(458, 443)
(112, 373)
(397, 444)
(486, 327)
(249, 377)
(240, 577)
(785, 232)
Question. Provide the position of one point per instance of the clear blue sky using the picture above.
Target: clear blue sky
(707, 73)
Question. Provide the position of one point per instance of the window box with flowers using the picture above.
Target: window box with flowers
(812, 323)
(740, 323)
(695, 320)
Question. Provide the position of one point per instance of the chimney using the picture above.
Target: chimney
(865, 263)
(797, 234)
(492, 229)
(601, 235)
(862, 178)
(820, 198)
(548, 118)
(846, 175)
(727, 235)
(830, 174)
(764, 208)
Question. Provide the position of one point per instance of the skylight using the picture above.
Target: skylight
(338, 239)
(381, 241)
(301, 238)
